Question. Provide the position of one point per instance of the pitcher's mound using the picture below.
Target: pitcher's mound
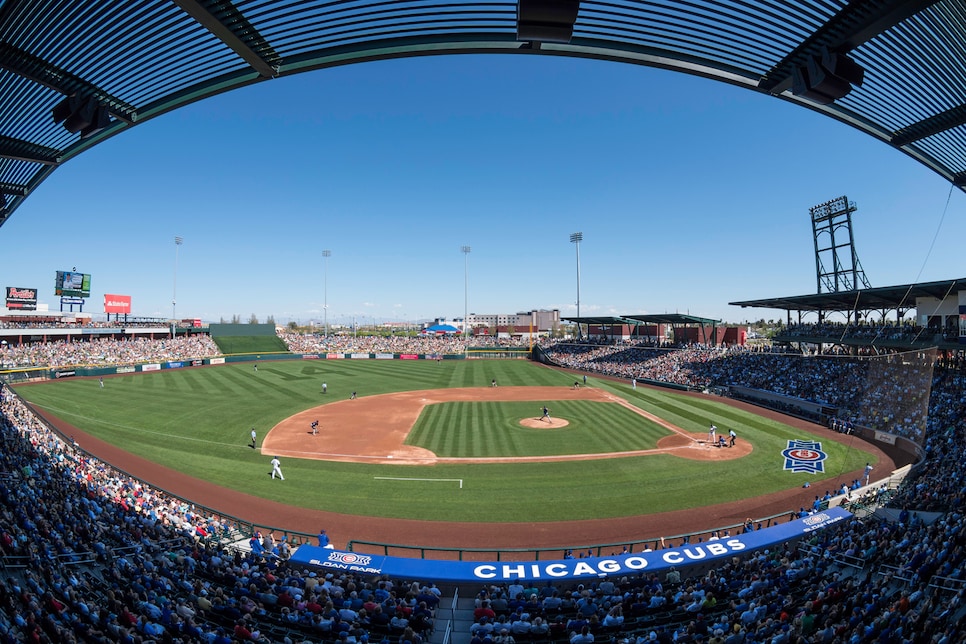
(539, 423)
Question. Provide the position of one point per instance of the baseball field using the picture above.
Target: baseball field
(428, 441)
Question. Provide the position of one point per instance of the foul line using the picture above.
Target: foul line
(397, 478)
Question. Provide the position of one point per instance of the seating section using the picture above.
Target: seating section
(91, 555)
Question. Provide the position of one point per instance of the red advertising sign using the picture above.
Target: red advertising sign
(117, 303)
(21, 298)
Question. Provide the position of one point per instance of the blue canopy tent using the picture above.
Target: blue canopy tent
(440, 329)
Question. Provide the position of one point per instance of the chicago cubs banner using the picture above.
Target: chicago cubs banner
(564, 569)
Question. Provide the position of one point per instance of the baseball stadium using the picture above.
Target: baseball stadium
(529, 478)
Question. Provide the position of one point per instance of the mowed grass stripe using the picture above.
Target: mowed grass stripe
(196, 421)
(493, 429)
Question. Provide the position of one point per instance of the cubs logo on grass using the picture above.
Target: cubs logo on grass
(804, 456)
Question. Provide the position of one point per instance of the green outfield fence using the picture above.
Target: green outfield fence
(497, 353)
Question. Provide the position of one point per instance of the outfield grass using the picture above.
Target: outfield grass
(197, 421)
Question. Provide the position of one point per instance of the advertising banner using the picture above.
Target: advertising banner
(334, 356)
(24, 299)
(383, 356)
(408, 356)
(151, 367)
(310, 356)
(217, 361)
(117, 303)
(885, 437)
(358, 356)
(566, 569)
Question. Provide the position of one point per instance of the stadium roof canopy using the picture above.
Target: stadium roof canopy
(895, 69)
(600, 321)
(631, 320)
(869, 299)
(672, 318)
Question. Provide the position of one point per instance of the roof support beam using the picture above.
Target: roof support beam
(541, 21)
(13, 189)
(18, 150)
(933, 125)
(857, 23)
(36, 69)
(232, 28)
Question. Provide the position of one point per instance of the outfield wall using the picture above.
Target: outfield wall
(87, 371)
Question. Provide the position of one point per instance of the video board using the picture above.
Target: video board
(72, 284)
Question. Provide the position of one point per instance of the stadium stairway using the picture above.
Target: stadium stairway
(460, 620)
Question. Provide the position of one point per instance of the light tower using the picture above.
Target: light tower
(326, 254)
(174, 292)
(466, 254)
(837, 265)
(575, 239)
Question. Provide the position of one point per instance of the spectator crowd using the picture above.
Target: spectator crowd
(93, 555)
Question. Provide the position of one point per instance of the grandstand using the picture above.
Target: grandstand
(91, 554)
(73, 557)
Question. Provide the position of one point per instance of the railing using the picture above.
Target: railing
(448, 633)
(950, 584)
(68, 559)
(535, 554)
(895, 572)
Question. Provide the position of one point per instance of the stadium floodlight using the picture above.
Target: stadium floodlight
(174, 293)
(326, 254)
(576, 238)
(466, 289)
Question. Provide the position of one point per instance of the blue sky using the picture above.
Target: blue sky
(689, 193)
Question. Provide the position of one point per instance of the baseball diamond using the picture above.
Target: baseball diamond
(329, 476)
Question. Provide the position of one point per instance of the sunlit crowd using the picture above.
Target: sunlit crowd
(93, 555)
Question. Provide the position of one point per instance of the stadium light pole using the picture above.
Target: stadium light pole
(575, 239)
(466, 286)
(174, 293)
(326, 254)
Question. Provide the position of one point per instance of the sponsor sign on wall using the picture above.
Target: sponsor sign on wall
(24, 299)
(885, 437)
(117, 303)
(217, 361)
